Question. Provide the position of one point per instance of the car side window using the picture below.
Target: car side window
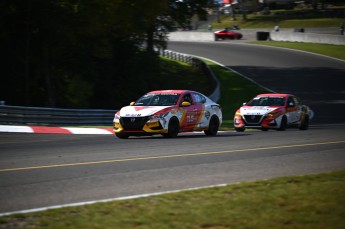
(187, 98)
(199, 99)
(291, 102)
(297, 101)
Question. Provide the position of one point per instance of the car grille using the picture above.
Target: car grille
(252, 119)
(133, 123)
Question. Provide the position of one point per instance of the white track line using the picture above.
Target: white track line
(104, 200)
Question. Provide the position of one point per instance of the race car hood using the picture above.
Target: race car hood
(137, 111)
(257, 110)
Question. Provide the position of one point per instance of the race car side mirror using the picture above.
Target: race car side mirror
(132, 103)
(290, 105)
(185, 104)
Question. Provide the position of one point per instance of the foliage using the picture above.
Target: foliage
(69, 53)
(335, 51)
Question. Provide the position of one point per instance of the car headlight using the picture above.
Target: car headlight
(157, 117)
(275, 114)
(117, 117)
(238, 114)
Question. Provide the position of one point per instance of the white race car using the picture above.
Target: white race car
(273, 111)
(168, 112)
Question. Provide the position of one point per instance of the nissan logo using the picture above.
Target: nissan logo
(132, 119)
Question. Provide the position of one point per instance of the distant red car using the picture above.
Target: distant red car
(227, 34)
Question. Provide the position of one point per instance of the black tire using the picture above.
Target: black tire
(304, 124)
(264, 129)
(122, 135)
(283, 124)
(241, 129)
(173, 128)
(213, 127)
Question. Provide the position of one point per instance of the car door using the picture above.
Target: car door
(191, 113)
(293, 110)
(201, 110)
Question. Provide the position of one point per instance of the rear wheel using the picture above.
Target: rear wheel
(173, 128)
(283, 124)
(212, 127)
(304, 124)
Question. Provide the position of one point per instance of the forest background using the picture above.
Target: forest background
(103, 53)
(86, 54)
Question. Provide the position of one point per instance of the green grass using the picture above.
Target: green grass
(313, 201)
(336, 51)
(235, 90)
(179, 75)
(255, 21)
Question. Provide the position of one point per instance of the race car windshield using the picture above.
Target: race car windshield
(157, 100)
(266, 101)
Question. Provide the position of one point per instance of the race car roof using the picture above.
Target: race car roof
(273, 95)
(169, 91)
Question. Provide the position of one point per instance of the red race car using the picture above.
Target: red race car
(273, 111)
(168, 112)
(227, 34)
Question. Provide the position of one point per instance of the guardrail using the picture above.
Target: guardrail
(201, 65)
(295, 36)
(19, 115)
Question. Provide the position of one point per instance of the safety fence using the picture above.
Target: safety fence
(19, 115)
(199, 64)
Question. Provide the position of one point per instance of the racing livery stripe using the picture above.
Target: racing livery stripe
(201, 113)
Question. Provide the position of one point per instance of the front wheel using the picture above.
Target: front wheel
(122, 135)
(212, 127)
(240, 129)
(173, 128)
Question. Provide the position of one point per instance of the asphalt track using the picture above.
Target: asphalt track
(40, 170)
(318, 80)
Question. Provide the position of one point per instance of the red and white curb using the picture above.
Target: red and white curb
(69, 130)
(55, 130)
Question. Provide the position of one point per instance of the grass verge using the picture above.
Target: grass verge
(235, 90)
(295, 20)
(312, 201)
(336, 51)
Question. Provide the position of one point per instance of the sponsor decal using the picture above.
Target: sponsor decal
(132, 115)
(207, 115)
(141, 108)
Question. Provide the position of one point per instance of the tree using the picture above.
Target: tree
(68, 53)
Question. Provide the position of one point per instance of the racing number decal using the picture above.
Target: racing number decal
(192, 117)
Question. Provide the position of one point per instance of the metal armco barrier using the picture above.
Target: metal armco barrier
(199, 64)
(18, 115)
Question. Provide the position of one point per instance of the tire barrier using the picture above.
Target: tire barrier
(262, 36)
